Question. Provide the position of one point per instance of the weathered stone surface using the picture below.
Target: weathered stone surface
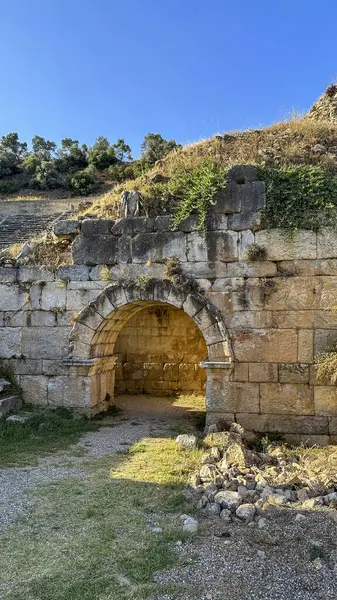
(158, 246)
(94, 250)
(130, 225)
(91, 227)
(263, 372)
(12, 297)
(240, 372)
(265, 345)
(67, 227)
(327, 243)
(293, 293)
(228, 200)
(228, 499)
(293, 373)
(53, 295)
(10, 342)
(69, 392)
(325, 400)
(246, 512)
(34, 389)
(37, 342)
(301, 244)
(325, 340)
(130, 204)
(8, 275)
(242, 174)
(189, 442)
(310, 425)
(232, 397)
(278, 398)
(29, 274)
(71, 273)
(9, 403)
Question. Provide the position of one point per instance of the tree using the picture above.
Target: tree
(102, 154)
(82, 183)
(12, 152)
(71, 156)
(122, 150)
(44, 148)
(154, 148)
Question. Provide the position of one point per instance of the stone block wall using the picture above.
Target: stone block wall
(276, 314)
(159, 351)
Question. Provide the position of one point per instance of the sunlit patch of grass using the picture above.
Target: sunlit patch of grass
(90, 539)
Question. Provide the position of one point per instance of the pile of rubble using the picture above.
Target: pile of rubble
(237, 483)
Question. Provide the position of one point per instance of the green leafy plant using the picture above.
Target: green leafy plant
(194, 191)
(302, 196)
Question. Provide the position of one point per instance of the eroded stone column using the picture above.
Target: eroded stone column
(218, 391)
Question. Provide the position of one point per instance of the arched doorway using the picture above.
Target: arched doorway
(98, 348)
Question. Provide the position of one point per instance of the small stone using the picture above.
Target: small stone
(190, 525)
(312, 502)
(202, 503)
(213, 509)
(242, 491)
(156, 530)
(231, 485)
(300, 518)
(210, 491)
(228, 499)
(302, 495)
(208, 459)
(226, 515)
(184, 517)
(189, 442)
(319, 148)
(4, 385)
(262, 523)
(18, 419)
(207, 472)
(237, 428)
(215, 452)
(246, 512)
(261, 554)
(195, 480)
(277, 499)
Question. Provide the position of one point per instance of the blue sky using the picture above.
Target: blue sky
(184, 68)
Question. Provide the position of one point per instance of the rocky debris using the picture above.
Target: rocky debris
(237, 483)
(325, 109)
(19, 419)
(189, 442)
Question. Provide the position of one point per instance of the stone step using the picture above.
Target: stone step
(8, 404)
(19, 228)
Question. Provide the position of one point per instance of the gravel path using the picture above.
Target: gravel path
(141, 417)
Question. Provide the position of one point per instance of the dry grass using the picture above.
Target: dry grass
(49, 252)
(326, 367)
(282, 144)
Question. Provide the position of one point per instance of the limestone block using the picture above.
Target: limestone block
(14, 318)
(307, 440)
(243, 174)
(287, 398)
(288, 319)
(163, 223)
(130, 225)
(156, 247)
(171, 372)
(281, 246)
(245, 240)
(308, 268)
(293, 293)
(214, 333)
(69, 392)
(325, 400)
(95, 250)
(264, 268)
(93, 227)
(328, 291)
(216, 222)
(240, 372)
(293, 373)
(228, 200)
(196, 247)
(212, 418)
(193, 304)
(29, 274)
(34, 296)
(2, 317)
(189, 224)
(205, 318)
(25, 366)
(54, 295)
(12, 297)
(37, 342)
(232, 396)
(34, 389)
(325, 319)
(209, 270)
(40, 318)
(53, 367)
(327, 243)
(245, 220)
(325, 340)
(72, 273)
(8, 275)
(222, 245)
(248, 319)
(263, 345)
(263, 372)
(333, 426)
(284, 423)
(79, 298)
(124, 249)
(66, 227)
(10, 342)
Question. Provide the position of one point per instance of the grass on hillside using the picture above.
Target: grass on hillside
(91, 539)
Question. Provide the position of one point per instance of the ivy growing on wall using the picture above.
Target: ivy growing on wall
(300, 197)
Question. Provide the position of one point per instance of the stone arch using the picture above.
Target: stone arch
(99, 324)
(95, 332)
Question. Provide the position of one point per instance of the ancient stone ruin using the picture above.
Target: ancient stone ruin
(241, 312)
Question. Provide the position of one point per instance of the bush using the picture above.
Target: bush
(82, 183)
(8, 187)
(300, 197)
(46, 177)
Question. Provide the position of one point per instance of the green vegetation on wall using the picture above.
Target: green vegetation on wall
(300, 197)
